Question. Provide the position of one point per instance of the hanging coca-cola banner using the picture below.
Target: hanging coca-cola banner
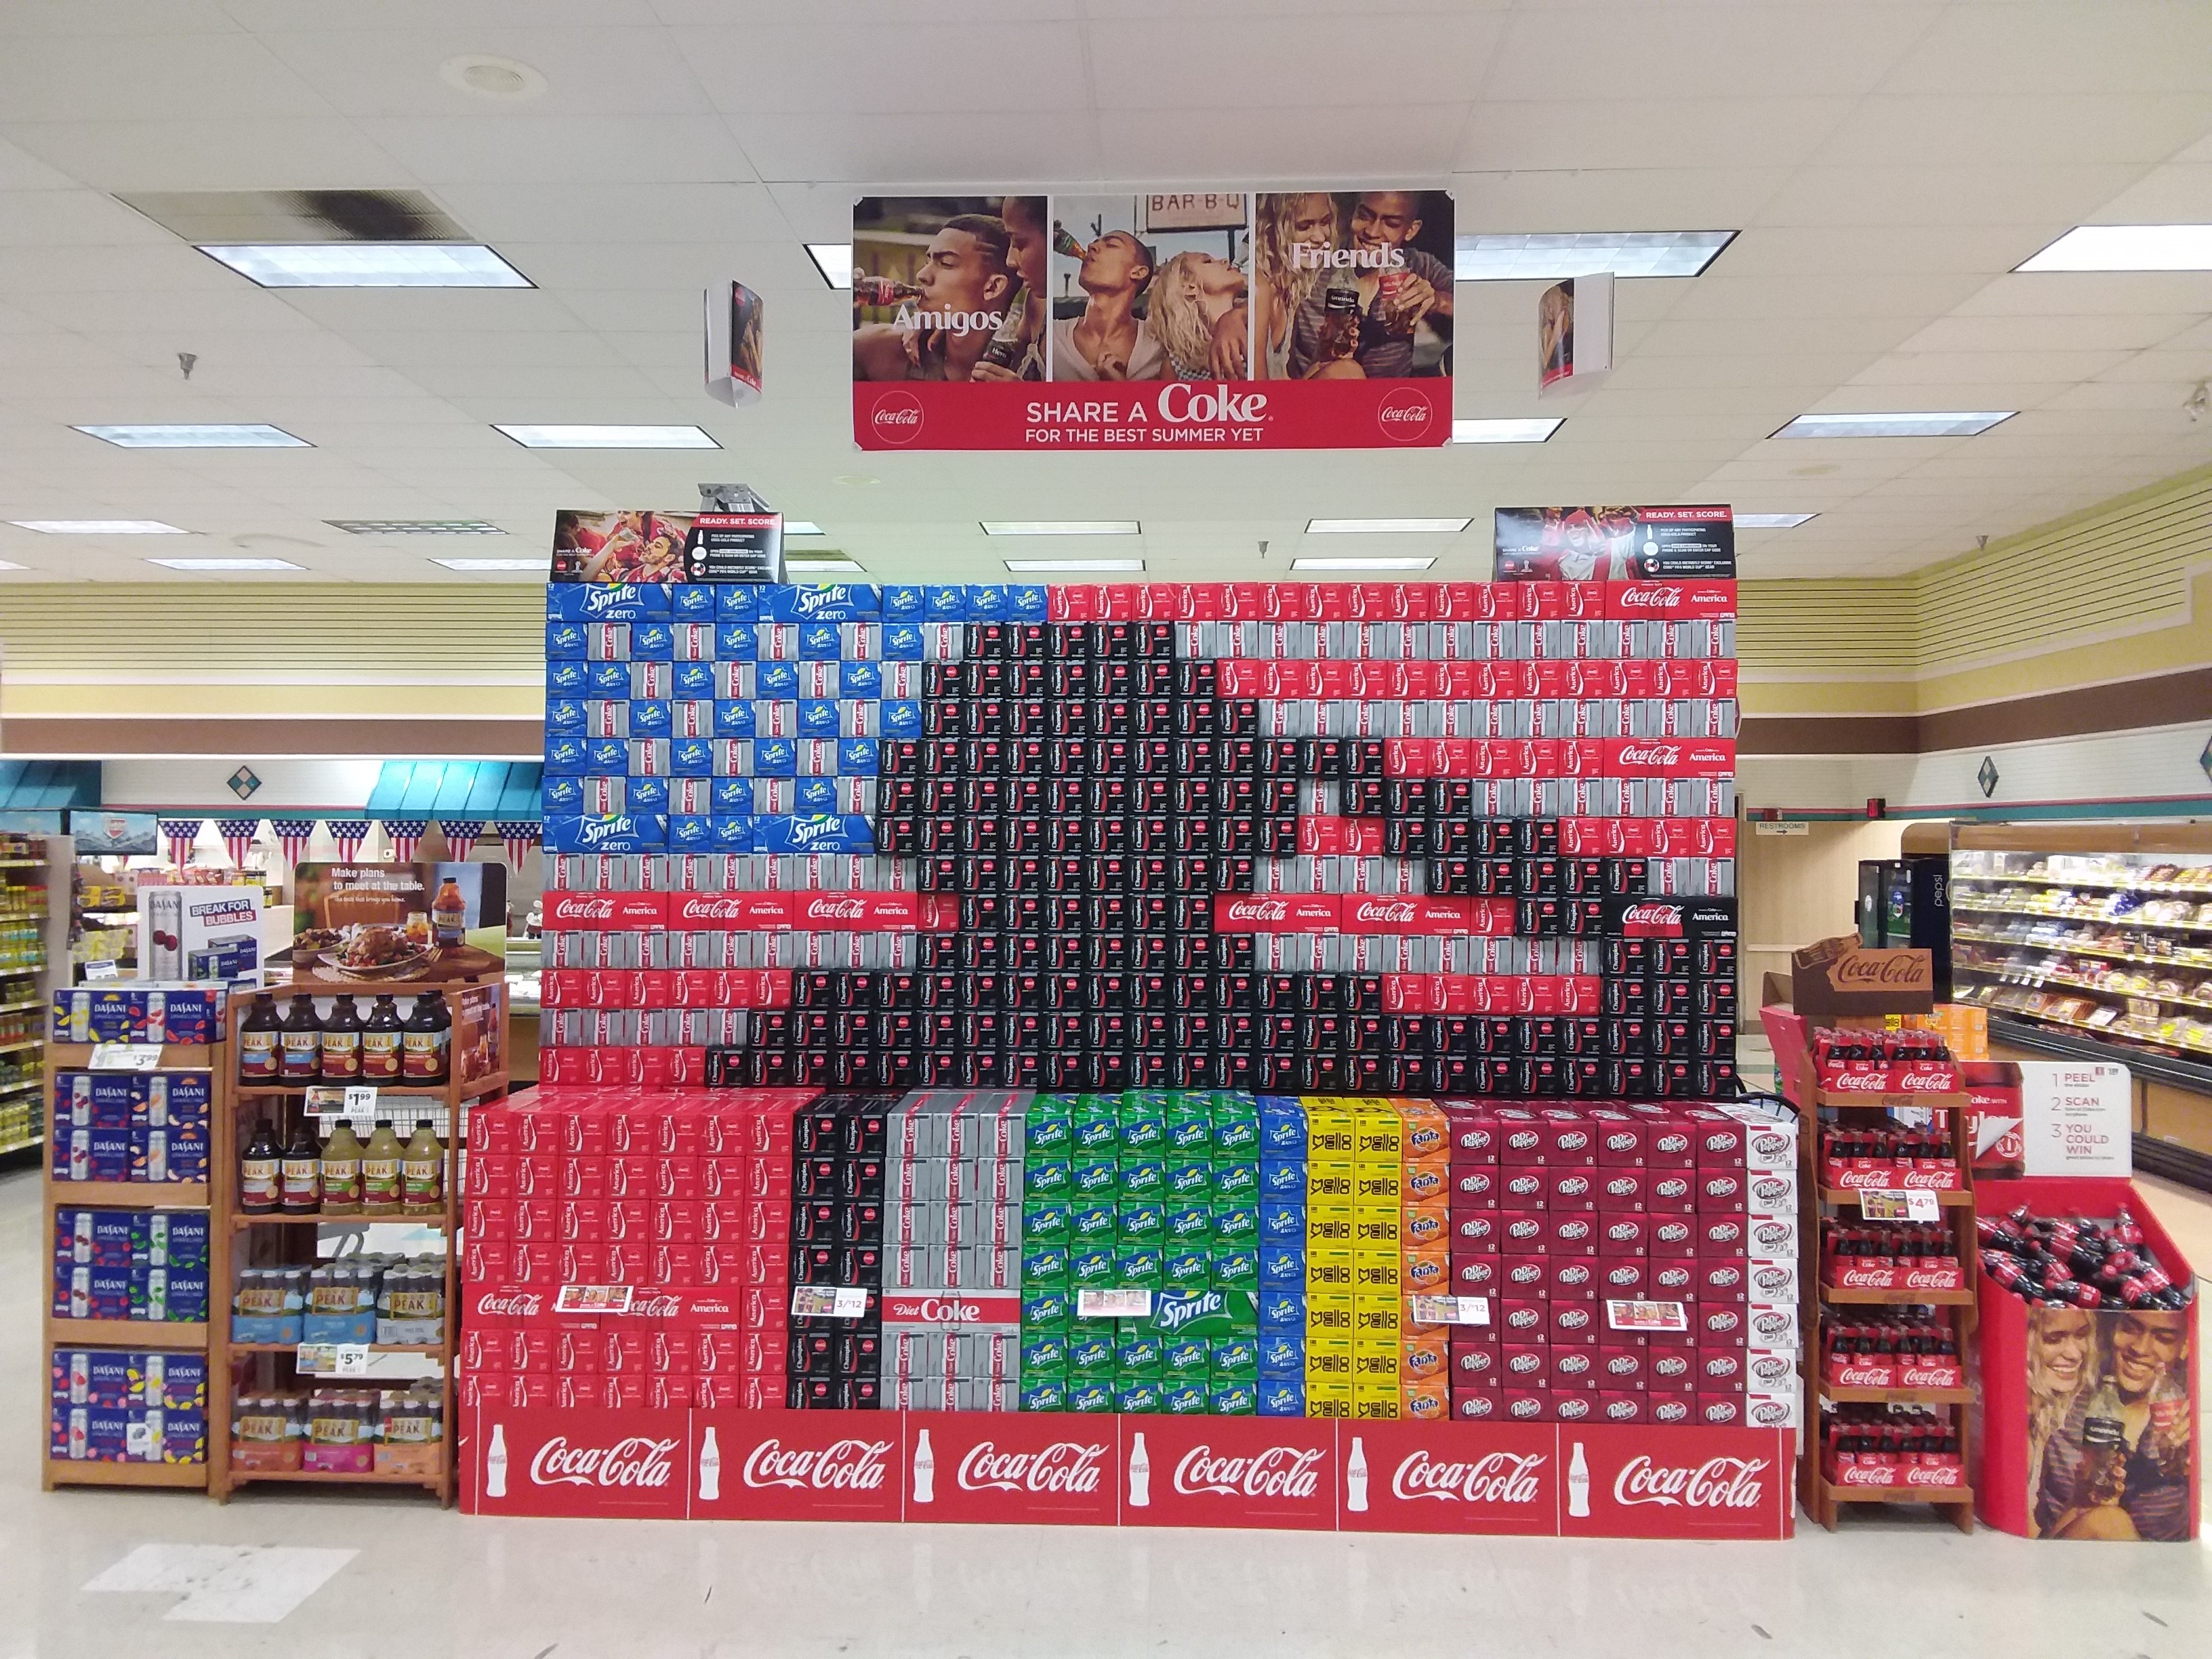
(1161, 320)
(1614, 543)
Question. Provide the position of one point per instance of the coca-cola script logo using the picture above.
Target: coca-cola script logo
(1647, 596)
(896, 417)
(1404, 416)
(1860, 1083)
(639, 1461)
(1925, 1083)
(841, 1466)
(1494, 1478)
(826, 909)
(510, 1304)
(1718, 1483)
(1274, 1472)
(1256, 910)
(1869, 969)
(1651, 754)
(1379, 912)
(1065, 1465)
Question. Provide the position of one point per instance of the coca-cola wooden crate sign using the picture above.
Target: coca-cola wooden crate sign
(1840, 976)
(1543, 1480)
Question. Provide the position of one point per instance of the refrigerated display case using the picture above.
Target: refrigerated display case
(1905, 904)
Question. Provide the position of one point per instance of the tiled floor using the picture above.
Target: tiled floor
(98, 1575)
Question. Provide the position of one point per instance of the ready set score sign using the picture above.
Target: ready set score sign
(1544, 1479)
(1165, 319)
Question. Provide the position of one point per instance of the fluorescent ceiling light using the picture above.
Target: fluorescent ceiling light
(226, 564)
(253, 436)
(1907, 424)
(823, 567)
(370, 265)
(833, 260)
(2127, 248)
(415, 527)
(1367, 527)
(1490, 257)
(1534, 431)
(608, 437)
(4, 565)
(99, 526)
(1772, 521)
(1361, 564)
(802, 528)
(1039, 567)
(538, 565)
(1061, 527)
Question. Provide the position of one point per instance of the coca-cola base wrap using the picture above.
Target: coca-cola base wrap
(1307, 1474)
(2030, 1435)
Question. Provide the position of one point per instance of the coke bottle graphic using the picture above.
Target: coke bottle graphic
(710, 1467)
(924, 1470)
(496, 1463)
(1355, 1477)
(1140, 1474)
(1578, 1484)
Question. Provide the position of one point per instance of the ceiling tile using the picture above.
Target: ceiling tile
(554, 149)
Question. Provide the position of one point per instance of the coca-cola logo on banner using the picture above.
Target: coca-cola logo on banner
(1718, 1483)
(1275, 1472)
(1647, 596)
(638, 1461)
(1065, 1465)
(848, 1465)
(1878, 969)
(1496, 1477)
(896, 417)
(1404, 415)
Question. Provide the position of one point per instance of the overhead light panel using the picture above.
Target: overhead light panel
(370, 265)
(802, 528)
(1385, 526)
(246, 436)
(539, 565)
(1772, 521)
(1539, 255)
(1061, 527)
(1533, 431)
(1361, 564)
(833, 260)
(5, 565)
(2127, 248)
(608, 437)
(226, 564)
(1044, 567)
(99, 526)
(1907, 424)
(415, 527)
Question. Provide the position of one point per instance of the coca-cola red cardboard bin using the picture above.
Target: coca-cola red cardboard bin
(1540, 1480)
(2048, 1373)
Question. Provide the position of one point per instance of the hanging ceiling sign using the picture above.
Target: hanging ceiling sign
(1166, 319)
(1614, 543)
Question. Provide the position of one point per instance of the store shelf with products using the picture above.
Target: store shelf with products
(306, 1274)
(27, 935)
(134, 1230)
(2095, 942)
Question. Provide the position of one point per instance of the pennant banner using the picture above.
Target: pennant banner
(292, 835)
(180, 833)
(406, 837)
(518, 838)
(237, 836)
(461, 836)
(349, 833)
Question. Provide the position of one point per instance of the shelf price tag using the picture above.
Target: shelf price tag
(828, 1301)
(96, 972)
(1451, 1310)
(593, 1298)
(1114, 1304)
(125, 1056)
(360, 1098)
(1647, 1315)
(332, 1358)
(1878, 1204)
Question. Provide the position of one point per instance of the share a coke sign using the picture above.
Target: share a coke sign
(1230, 1472)
(800, 1465)
(1682, 1483)
(1012, 1466)
(1063, 415)
(597, 1462)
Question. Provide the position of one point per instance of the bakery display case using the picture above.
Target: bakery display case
(2095, 941)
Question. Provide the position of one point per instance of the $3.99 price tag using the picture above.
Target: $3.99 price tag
(1878, 1205)
(125, 1056)
(828, 1302)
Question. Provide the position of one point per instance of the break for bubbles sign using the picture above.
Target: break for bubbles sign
(1153, 319)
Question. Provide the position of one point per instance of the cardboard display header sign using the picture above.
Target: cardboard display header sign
(1614, 543)
(1838, 977)
(1182, 319)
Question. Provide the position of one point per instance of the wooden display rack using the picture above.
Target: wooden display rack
(278, 1240)
(1823, 1499)
(61, 1334)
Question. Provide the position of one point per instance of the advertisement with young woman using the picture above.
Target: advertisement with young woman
(1157, 320)
(2111, 1411)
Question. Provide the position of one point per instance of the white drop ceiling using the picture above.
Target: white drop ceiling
(1888, 164)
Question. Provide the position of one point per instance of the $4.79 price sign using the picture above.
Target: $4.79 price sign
(1912, 1205)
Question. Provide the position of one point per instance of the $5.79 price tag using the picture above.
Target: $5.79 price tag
(332, 1359)
(1877, 1204)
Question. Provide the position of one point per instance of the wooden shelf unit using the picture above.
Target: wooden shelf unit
(61, 1334)
(272, 1240)
(1820, 1495)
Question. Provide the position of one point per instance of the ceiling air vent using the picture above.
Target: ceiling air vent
(236, 217)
